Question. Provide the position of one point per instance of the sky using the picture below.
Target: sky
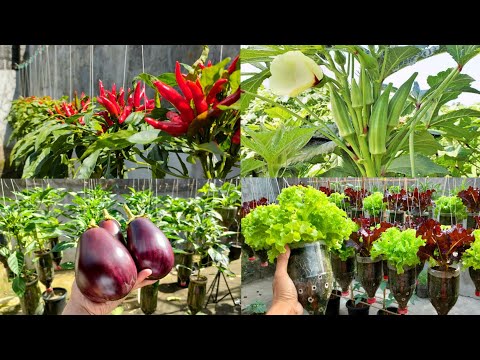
(425, 68)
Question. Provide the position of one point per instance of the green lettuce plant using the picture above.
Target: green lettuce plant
(471, 256)
(340, 200)
(302, 215)
(450, 205)
(374, 203)
(398, 247)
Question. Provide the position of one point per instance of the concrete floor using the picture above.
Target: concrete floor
(171, 298)
(261, 290)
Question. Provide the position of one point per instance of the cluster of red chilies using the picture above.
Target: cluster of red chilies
(204, 104)
(117, 109)
(75, 107)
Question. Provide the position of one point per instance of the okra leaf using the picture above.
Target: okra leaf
(249, 165)
(88, 165)
(423, 166)
(453, 115)
(19, 286)
(15, 262)
(397, 55)
(144, 137)
(463, 53)
(424, 143)
(260, 55)
(252, 84)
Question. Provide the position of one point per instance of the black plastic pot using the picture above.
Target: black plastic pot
(333, 305)
(184, 269)
(369, 274)
(149, 298)
(402, 285)
(396, 216)
(30, 301)
(443, 288)
(249, 251)
(55, 301)
(235, 251)
(447, 219)
(475, 276)
(56, 255)
(356, 213)
(471, 223)
(263, 257)
(310, 269)
(44, 267)
(422, 291)
(419, 268)
(360, 309)
(197, 290)
(343, 271)
(389, 309)
(385, 269)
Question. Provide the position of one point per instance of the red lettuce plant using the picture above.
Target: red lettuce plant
(248, 206)
(471, 199)
(396, 201)
(366, 234)
(326, 190)
(420, 200)
(356, 197)
(443, 247)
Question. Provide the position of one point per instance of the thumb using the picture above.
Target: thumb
(282, 260)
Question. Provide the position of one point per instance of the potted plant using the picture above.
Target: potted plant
(356, 200)
(256, 308)
(225, 199)
(247, 206)
(358, 306)
(369, 271)
(443, 248)
(340, 200)
(471, 261)
(396, 200)
(55, 300)
(333, 305)
(422, 289)
(400, 249)
(419, 203)
(373, 206)
(311, 225)
(449, 210)
(343, 266)
(471, 199)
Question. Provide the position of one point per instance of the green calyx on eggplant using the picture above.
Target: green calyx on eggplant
(148, 245)
(110, 224)
(104, 269)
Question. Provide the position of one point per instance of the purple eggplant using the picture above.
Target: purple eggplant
(149, 246)
(110, 224)
(104, 269)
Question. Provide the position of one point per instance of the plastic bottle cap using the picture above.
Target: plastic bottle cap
(252, 258)
(477, 293)
(49, 290)
(183, 283)
(372, 300)
(345, 293)
(385, 277)
(264, 264)
(403, 311)
(58, 267)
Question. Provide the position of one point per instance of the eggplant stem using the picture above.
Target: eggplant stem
(107, 215)
(128, 212)
(92, 224)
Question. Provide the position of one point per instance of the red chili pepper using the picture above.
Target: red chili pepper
(199, 84)
(172, 96)
(233, 65)
(136, 96)
(126, 112)
(198, 98)
(113, 99)
(121, 97)
(114, 89)
(216, 88)
(57, 109)
(236, 137)
(229, 100)
(209, 64)
(173, 116)
(81, 121)
(181, 82)
(111, 108)
(173, 128)
(201, 66)
(67, 110)
(105, 115)
(102, 89)
(130, 98)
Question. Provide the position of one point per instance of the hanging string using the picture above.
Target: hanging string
(221, 53)
(70, 54)
(125, 66)
(48, 72)
(54, 71)
(91, 70)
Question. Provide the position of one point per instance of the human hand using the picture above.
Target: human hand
(285, 300)
(81, 305)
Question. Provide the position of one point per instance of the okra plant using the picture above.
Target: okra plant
(380, 130)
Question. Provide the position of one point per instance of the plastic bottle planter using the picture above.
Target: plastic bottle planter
(249, 251)
(447, 219)
(310, 269)
(396, 216)
(184, 269)
(149, 298)
(385, 270)
(57, 255)
(390, 310)
(30, 301)
(44, 267)
(422, 291)
(55, 301)
(263, 257)
(471, 223)
(415, 214)
(235, 251)
(228, 215)
(197, 290)
(475, 276)
(333, 305)
(356, 213)
(402, 285)
(343, 272)
(360, 309)
(376, 219)
(443, 287)
(419, 268)
(369, 274)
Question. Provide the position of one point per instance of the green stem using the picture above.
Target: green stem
(369, 165)
(411, 149)
(128, 212)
